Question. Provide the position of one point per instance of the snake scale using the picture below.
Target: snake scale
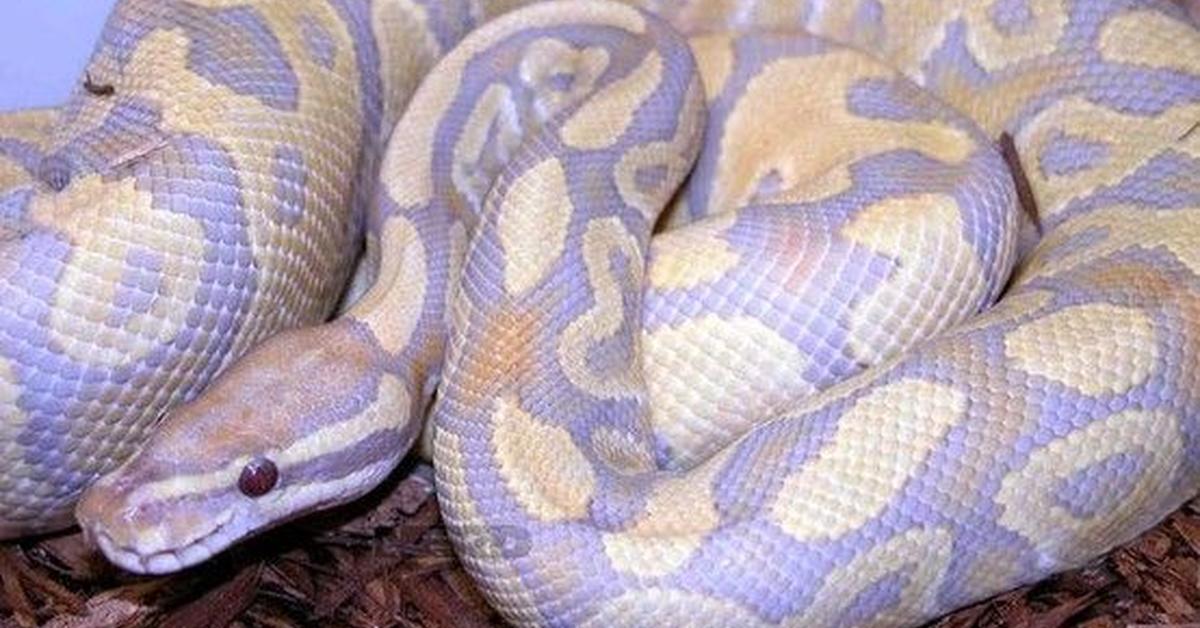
(724, 312)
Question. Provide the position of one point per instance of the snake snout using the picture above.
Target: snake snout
(145, 532)
(172, 504)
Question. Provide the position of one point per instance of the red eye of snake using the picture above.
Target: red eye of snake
(258, 477)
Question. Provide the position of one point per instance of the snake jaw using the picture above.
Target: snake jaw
(163, 561)
(142, 526)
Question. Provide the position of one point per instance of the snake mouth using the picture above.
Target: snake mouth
(170, 560)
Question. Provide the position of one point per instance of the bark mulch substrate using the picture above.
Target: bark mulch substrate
(388, 562)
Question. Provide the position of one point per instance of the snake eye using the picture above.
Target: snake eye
(258, 477)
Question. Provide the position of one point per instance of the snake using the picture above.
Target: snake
(771, 312)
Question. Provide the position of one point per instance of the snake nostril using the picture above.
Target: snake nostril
(55, 172)
(258, 477)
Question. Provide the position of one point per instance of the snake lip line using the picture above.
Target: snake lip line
(221, 536)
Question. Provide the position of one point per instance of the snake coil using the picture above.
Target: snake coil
(730, 309)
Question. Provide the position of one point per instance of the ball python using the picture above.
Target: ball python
(1010, 445)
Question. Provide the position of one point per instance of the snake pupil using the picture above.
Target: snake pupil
(258, 477)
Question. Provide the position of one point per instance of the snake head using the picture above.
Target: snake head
(293, 427)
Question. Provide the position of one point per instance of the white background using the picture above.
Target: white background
(43, 46)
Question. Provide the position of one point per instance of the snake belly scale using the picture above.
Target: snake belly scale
(705, 291)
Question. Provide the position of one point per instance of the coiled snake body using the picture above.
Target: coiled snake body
(793, 405)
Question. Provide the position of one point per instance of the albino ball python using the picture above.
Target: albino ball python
(597, 390)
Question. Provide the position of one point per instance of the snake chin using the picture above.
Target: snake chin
(136, 556)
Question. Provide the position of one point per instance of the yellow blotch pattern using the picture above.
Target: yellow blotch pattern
(465, 522)
(822, 186)
(12, 174)
(392, 307)
(991, 105)
(1006, 310)
(657, 606)
(786, 90)
(532, 223)
(921, 555)
(494, 113)
(921, 21)
(649, 174)
(404, 62)
(923, 234)
(691, 16)
(1124, 227)
(879, 443)
(603, 119)
(9, 391)
(1077, 347)
(602, 237)
(32, 126)
(1027, 494)
(549, 57)
(662, 540)
(117, 220)
(991, 572)
(1128, 139)
(622, 451)
(250, 133)
(1123, 40)
(543, 469)
(407, 173)
(692, 256)
(649, 197)
(704, 395)
(13, 422)
(714, 60)
(994, 49)
(218, 117)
